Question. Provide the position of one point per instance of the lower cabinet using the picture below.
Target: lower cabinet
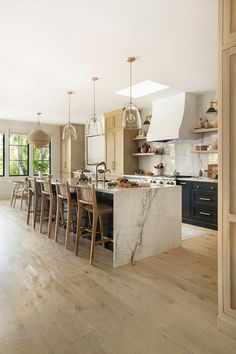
(199, 203)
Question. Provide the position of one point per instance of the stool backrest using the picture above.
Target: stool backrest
(34, 185)
(86, 194)
(63, 190)
(46, 186)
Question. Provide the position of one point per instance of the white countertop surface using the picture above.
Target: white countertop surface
(198, 179)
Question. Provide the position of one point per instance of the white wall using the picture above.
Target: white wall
(178, 156)
(7, 127)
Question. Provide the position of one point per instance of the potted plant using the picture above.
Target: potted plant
(40, 167)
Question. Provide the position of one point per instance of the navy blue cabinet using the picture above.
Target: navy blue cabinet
(199, 203)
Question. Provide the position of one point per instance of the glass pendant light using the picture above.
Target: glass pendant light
(69, 130)
(131, 117)
(38, 138)
(94, 123)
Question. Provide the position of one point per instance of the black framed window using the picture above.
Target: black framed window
(18, 155)
(2, 154)
(42, 160)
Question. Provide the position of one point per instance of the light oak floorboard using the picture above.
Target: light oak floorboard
(54, 302)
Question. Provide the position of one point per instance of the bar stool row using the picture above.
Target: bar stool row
(59, 201)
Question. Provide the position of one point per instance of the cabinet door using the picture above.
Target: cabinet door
(110, 150)
(119, 151)
(228, 160)
(118, 120)
(229, 21)
(109, 121)
(186, 199)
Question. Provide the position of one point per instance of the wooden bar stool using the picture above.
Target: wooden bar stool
(87, 202)
(47, 196)
(64, 198)
(19, 191)
(34, 196)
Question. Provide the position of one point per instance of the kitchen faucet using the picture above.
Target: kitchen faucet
(102, 171)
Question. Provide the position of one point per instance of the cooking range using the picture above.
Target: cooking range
(159, 180)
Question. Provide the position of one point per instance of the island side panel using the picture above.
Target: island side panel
(147, 221)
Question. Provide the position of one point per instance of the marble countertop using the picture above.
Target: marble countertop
(198, 179)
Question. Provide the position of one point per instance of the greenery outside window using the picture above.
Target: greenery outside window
(2, 154)
(19, 155)
(42, 160)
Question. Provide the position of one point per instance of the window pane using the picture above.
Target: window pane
(22, 167)
(41, 160)
(18, 155)
(14, 171)
(2, 157)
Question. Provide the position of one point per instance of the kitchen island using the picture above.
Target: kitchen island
(146, 221)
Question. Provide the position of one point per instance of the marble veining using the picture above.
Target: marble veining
(147, 221)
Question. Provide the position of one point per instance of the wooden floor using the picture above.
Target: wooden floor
(54, 302)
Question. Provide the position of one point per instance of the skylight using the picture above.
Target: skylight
(143, 89)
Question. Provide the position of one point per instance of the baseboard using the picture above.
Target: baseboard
(227, 325)
(4, 197)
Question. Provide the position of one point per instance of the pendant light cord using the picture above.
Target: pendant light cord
(69, 106)
(94, 100)
(131, 79)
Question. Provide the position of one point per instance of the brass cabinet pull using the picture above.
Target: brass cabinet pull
(203, 213)
(208, 199)
(183, 183)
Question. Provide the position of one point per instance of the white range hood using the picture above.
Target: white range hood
(173, 118)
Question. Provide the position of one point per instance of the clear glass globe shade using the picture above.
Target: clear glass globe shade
(94, 125)
(131, 117)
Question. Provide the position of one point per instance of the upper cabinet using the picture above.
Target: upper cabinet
(73, 152)
(119, 145)
(228, 21)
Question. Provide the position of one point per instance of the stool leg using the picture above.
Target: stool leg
(78, 228)
(68, 223)
(12, 196)
(101, 230)
(35, 210)
(57, 218)
(41, 214)
(51, 205)
(21, 201)
(29, 206)
(93, 240)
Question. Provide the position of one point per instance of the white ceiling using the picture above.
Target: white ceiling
(51, 46)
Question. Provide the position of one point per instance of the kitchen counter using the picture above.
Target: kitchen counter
(197, 179)
(146, 220)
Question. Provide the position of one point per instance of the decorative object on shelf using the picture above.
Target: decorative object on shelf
(94, 123)
(131, 118)
(69, 130)
(212, 108)
(200, 123)
(146, 124)
(158, 150)
(144, 148)
(206, 124)
(38, 138)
